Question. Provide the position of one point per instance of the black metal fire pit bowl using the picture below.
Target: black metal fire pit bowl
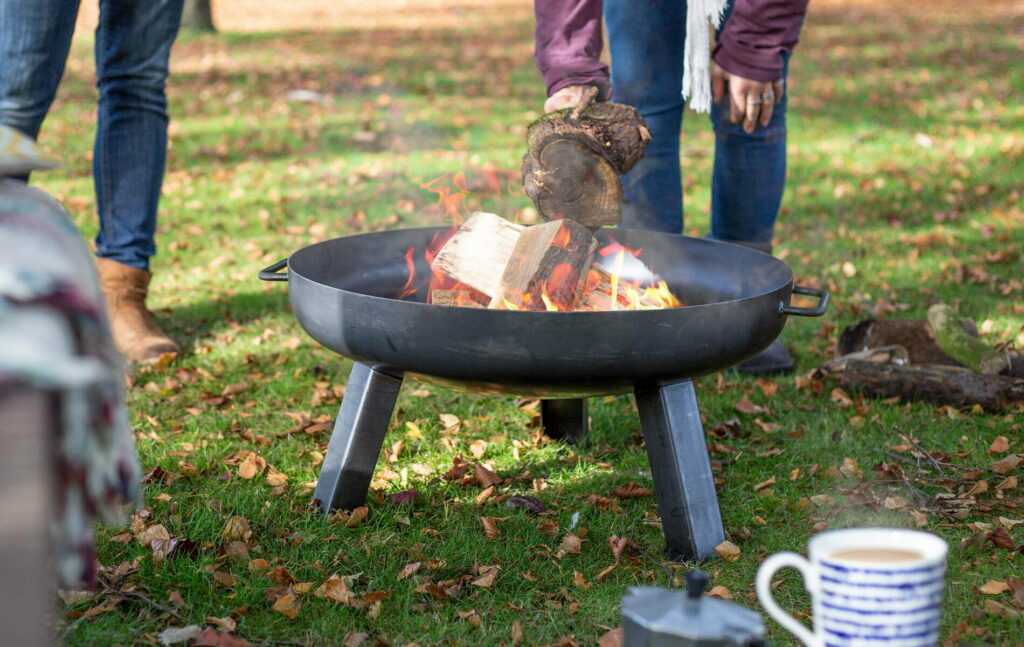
(343, 291)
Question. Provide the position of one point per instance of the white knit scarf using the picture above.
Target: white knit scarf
(701, 17)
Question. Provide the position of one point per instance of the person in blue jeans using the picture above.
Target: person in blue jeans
(649, 59)
(133, 45)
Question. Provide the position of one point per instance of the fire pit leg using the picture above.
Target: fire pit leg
(678, 454)
(564, 420)
(357, 438)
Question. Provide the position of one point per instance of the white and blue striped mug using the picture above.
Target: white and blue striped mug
(869, 587)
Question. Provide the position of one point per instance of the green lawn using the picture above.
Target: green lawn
(905, 189)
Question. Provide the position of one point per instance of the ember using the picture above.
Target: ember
(490, 262)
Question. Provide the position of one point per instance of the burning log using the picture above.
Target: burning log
(547, 268)
(478, 252)
(602, 291)
(466, 298)
(572, 165)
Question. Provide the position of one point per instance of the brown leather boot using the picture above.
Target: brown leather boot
(136, 334)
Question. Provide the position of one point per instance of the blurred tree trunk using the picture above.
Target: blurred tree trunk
(197, 16)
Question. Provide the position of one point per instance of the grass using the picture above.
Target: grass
(905, 184)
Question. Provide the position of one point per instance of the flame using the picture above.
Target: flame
(604, 288)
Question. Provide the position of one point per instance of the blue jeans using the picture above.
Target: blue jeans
(646, 38)
(133, 45)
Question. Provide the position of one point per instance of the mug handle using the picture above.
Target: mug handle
(764, 593)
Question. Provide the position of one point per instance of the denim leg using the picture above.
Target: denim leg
(749, 176)
(133, 45)
(646, 39)
(35, 37)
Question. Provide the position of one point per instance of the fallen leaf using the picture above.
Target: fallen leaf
(237, 528)
(154, 532)
(895, 502)
(478, 448)
(728, 550)
(485, 476)
(548, 527)
(288, 605)
(1008, 483)
(1006, 465)
(280, 575)
(487, 579)
(571, 544)
(850, 468)
(409, 569)
(746, 406)
(579, 581)
(994, 587)
(1010, 524)
(214, 638)
(486, 494)
(920, 520)
(1001, 538)
(227, 623)
(405, 497)
(354, 638)
(226, 580)
(490, 527)
(720, 592)
(358, 516)
(449, 420)
(251, 465)
(517, 634)
(259, 564)
(276, 478)
(530, 503)
(631, 491)
(1017, 586)
(763, 484)
(335, 589)
(1000, 609)
(613, 638)
(174, 635)
(999, 445)
(72, 597)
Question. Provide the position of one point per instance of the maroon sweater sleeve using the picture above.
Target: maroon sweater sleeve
(568, 44)
(757, 34)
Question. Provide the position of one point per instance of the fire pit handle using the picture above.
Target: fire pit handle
(807, 312)
(271, 273)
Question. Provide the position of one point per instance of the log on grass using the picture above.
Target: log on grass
(914, 335)
(572, 166)
(969, 351)
(942, 385)
(478, 252)
(547, 268)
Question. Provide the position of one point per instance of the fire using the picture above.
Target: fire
(603, 289)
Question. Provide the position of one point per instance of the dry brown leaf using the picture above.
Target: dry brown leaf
(354, 638)
(226, 580)
(763, 484)
(237, 528)
(571, 544)
(548, 527)
(449, 420)
(409, 569)
(720, 592)
(999, 445)
(746, 406)
(517, 634)
(214, 638)
(850, 468)
(152, 533)
(579, 581)
(920, 520)
(613, 638)
(252, 465)
(1001, 538)
(490, 527)
(227, 623)
(895, 502)
(486, 477)
(1010, 524)
(288, 605)
(478, 448)
(276, 478)
(486, 494)
(487, 579)
(357, 517)
(631, 491)
(259, 564)
(994, 587)
(1008, 483)
(280, 575)
(1017, 586)
(335, 589)
(1006, 465)
(728, 550)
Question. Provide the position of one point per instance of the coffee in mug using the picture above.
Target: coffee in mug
(868, 586)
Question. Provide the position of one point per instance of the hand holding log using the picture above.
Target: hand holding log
(575, 157)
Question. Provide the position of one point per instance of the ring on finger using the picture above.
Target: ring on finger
(751, 101)
(768, 96)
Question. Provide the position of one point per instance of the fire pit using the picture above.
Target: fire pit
(342, 293)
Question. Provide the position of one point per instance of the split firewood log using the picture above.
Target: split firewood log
(549, 263)
(465, 298)
(478, 252)
(573, 162)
